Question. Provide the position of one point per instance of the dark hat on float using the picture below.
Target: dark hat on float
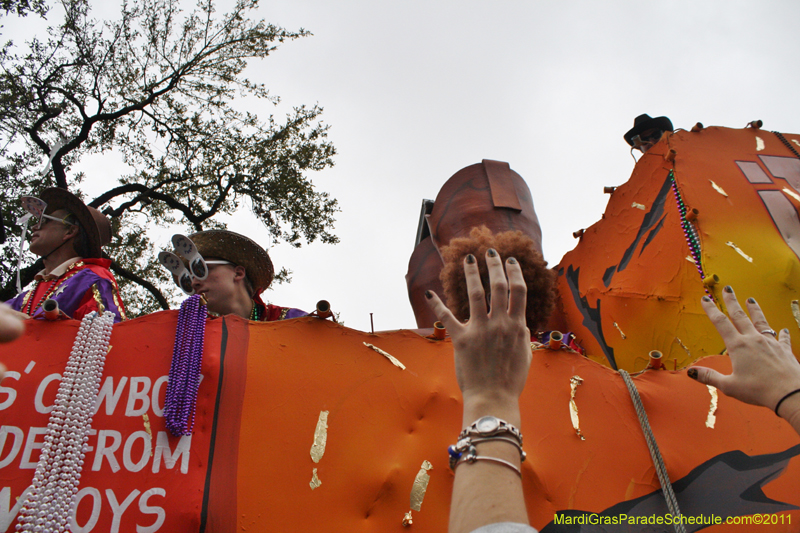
(645, 122)
(239, 250)
(94, 223)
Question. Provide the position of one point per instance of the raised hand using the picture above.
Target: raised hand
(764, 370)
(492, 350)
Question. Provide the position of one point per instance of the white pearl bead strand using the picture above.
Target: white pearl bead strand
(51, 498)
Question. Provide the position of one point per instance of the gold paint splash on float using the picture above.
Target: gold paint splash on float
(146, 420)
(718, 189)
(740, 251)
(407, 519)
(686, 348)
(792, 193)
(320, 437)
(620, 331)
(574, 381)
(638, 205)
(712, 410)
(796, 312)
(420, 486)
(315, 482)
(759, 144)
(387, 355)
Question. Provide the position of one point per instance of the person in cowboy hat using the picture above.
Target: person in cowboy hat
(69, 238)
(239, 270)
(647, 131)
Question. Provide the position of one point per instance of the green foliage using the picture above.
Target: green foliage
(157, 88)
(23, 7)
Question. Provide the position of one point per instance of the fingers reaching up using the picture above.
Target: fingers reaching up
(508, 294)
(764, 370)
(492, 349)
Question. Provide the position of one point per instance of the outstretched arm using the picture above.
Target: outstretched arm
(12, 323)
(492, 357)
(764, 370)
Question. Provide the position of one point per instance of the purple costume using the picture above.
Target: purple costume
(85, 286)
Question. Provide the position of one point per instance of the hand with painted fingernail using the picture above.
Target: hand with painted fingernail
(764, 370)
(492, 350)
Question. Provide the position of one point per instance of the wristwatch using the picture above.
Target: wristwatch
(490, 426)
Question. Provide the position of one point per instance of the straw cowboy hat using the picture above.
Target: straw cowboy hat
(239, 250)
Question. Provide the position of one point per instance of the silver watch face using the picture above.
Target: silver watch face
(487, 424)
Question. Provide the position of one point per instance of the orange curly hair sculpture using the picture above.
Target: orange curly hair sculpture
(538, 278)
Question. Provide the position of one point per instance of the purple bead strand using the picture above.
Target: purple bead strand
(184, 375)
(173, 384)
(176, 421)
(196, 364)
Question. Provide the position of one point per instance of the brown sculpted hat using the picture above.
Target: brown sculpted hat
(239, 250)
(94, 223)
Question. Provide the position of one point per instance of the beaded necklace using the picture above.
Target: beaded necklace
(50, 499)
(689, 231)
(184, 372)
(254, 314)
(28, 307)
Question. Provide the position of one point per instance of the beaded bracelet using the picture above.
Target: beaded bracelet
(464, 451)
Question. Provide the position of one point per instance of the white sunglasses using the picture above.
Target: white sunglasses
(183, 277)
(41, 222)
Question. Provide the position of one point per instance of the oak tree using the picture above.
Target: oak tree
(162, 90)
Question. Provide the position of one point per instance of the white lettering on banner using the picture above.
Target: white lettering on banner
(109, 443)
(7, 515)
(170, 458)
(127, 460)
(31, 445)
(86, 447)
(12, 394)
(19, 438)
(107, 451)
(110, 394)
(147, 509)
(158, 409)
(139, 391)
(97, 504)
(37, 402)
(119, 508)
(135, 394)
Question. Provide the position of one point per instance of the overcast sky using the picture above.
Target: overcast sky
(416, 90)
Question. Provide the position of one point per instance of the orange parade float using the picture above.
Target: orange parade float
(306, 425)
